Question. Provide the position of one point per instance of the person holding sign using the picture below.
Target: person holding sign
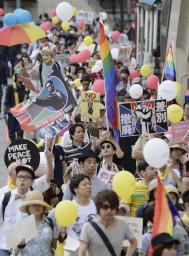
(47, 231)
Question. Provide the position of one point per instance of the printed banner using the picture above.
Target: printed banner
(86, 17)
(59, 126)
(142, 117)
(90, 101)
(54, 100)
(180, 131)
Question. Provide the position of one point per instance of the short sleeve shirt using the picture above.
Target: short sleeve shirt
(116, 234)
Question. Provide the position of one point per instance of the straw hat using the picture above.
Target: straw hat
(34, 198)
(178, 144)
(170, 188)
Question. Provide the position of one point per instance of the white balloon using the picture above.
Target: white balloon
(114, 53)
(136, 91)
(42, 168)
(156, 152)
(64, 11)
(95, 69)
(167, 90)
(99, 64)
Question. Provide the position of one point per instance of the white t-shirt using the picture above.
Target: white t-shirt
(86, 214)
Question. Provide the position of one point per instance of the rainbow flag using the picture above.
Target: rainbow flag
(170, 72)
(165, 212)
(111, 79)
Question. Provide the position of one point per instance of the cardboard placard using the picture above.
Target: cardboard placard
(22, 230)
(143, 117)
(23, 150)
(90, 101)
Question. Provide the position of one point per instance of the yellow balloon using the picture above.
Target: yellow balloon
(88, 40)
(146, 70)
(74, 11)
(124, 184)
(66, 213)
(65, 26)
(174, 113)
(179, 88)
(55, 20)
(77, 82)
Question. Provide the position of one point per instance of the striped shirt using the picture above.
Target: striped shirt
(74, 152)
(139, 197)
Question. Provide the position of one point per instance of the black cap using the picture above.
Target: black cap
(108, 141)
(163, 238)
(88, 154)
(27, 168)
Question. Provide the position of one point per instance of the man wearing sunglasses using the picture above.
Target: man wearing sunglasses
(107, 168)
(116, 230)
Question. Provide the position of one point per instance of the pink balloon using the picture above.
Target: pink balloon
(86, 53)
(98, 86)
(115, 35)
(133, 74)
(80, 24)
(1, 11)
(80, 58)
(83, 56)
(47, 25)
(152, 82)
(73, 58)
(52, 13)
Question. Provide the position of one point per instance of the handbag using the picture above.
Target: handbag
(104, 238)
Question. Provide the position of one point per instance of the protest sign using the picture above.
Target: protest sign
(23, 230)
(54, 100)
(86, 17)
(90, 101)
(180, 131)
(23, 150)
(59, 126)
(125, 54)
(143, 117)
(136, 226)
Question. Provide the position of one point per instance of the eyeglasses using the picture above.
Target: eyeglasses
(107, 206)
(106, 146)
(21, 177)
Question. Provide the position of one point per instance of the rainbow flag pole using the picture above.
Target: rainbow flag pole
(165, 213)
(111, 80)
(169, 71)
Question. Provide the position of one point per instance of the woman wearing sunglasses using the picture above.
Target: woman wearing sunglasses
(107, 168)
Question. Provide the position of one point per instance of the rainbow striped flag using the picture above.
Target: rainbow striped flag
(111, 79)
(165, 213)
(170, 72)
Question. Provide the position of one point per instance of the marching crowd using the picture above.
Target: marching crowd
(82, 163)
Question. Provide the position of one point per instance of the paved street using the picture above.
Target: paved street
(3, 169)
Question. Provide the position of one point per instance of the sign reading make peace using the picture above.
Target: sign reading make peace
(23, 150)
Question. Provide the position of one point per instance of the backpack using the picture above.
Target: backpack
(5, 202)
(6, 199)
(40, 71)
